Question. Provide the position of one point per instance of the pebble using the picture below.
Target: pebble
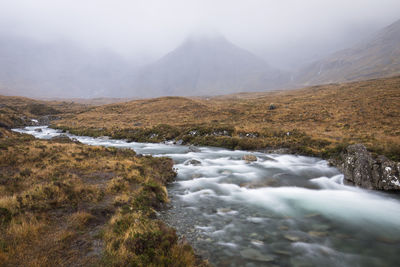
(317, 234)
(292, 238)
(282, 252)
(257, 242)
(320, 227)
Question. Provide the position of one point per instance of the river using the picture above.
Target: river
(280, 210)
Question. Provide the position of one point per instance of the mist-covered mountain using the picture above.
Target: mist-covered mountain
(58, 69)
(207, 65)
(201, 65)
(378, 56)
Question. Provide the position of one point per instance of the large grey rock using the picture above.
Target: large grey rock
(363, 170)
(46, 119)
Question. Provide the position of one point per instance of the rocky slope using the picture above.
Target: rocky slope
(378, 56)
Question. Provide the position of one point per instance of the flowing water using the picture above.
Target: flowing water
(281, 210)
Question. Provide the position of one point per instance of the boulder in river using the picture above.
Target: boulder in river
(361, 169)
(249, 158)
(179, 142)
(46, 119)
(194, 149)
(193, 162)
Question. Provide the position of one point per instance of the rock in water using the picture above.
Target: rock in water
(249, 158)
(361, 169)
(194, 162)
(253, 254)
(194, 149)
(292, 238)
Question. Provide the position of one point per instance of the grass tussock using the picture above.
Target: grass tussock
(64, 203)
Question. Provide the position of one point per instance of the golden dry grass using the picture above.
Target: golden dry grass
(17, 111)
(367, 112)
(63, 203)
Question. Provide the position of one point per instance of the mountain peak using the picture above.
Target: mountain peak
(208, 64)
(204, 38)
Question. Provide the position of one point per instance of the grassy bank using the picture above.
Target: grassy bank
(318, 120)
(65, 203)
(18, 111)
(218, 136)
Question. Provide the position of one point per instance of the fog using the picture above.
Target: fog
(285, 33)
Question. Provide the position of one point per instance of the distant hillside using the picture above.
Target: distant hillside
(376, 57)
(58, 69)
(98, 101)
(206, 66)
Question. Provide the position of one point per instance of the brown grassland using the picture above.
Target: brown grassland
(317, 120)
(63, 203)
(17, 111)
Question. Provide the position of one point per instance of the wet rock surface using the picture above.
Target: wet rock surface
(194, 162)
(46, 119)
(361, 169)
(249, 158)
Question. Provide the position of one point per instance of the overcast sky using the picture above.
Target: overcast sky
(271, 28)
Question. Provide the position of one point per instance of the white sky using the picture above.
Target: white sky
(272, 28)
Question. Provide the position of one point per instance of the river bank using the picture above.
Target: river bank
(96, 206)
(369, 173)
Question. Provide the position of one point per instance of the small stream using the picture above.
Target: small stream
(281, 210)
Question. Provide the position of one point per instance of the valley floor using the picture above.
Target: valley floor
(318, 120)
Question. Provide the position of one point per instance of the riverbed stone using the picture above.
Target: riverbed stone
(317, 233)
(283, 228)
(194, 149)
(257, 242)
(282, 252)
(249, 158)
(253, 254)
(320, 227)
(193, 162)
(292, 238)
